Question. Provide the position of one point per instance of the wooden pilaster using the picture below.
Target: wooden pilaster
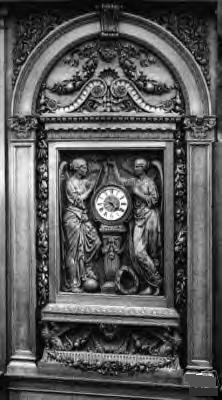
(200, 136)
(22, 245)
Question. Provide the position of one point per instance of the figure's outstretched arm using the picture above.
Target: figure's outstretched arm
(112, 163)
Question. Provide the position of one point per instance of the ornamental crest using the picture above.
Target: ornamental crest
(110, 76)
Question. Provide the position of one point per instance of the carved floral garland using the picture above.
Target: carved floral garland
(42, 218)
(180, 220)
(111, 349)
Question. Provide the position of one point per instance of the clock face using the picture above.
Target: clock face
(111, 203)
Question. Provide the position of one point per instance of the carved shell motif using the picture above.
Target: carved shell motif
(110, 76)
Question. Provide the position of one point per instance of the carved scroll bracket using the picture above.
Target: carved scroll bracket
(109, 19)
(200, 128)
(23, 127)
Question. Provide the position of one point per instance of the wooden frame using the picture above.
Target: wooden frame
(54, 259)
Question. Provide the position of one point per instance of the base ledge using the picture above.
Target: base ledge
(22, 362)
(201, 383)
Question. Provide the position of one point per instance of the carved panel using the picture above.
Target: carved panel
(110, 76)
(110, 222)
(111, 349)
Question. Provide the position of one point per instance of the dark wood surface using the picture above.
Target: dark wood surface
(55, 383)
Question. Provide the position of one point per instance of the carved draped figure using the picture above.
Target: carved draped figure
(146, 230)
(81, 238)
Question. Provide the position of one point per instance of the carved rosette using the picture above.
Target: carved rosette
(23, 127)
(42, 218)
(199, 128)
(180, 244)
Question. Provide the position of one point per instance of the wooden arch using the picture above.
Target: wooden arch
(150, 34)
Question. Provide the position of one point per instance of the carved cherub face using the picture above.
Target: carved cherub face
(139, 166)
(109, 331)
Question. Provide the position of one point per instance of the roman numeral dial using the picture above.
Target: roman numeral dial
(111, 203)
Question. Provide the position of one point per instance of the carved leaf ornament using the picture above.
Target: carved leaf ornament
(189, 27)
(23, 127)
(197, 127)
(110, 76)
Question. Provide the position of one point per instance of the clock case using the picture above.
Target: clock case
(98, 218)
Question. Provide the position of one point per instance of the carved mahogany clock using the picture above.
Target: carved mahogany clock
(111, 204)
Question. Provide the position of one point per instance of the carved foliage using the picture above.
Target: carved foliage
(180, 244)
(42, 219)
(111, 349)
(22, 127)
(133, 79)
(191, 29)
(30, 29)
(199, 127)
(180, 192)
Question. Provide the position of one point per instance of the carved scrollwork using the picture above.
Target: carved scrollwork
(199, 127)
(42, 219)
(133, 79)
(111, 349)
(120, 95)
(23, 127)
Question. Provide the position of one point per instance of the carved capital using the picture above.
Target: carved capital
(199, 128)
(109, 19)
(22, 127)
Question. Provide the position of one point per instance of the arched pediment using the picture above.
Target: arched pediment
(147, 69)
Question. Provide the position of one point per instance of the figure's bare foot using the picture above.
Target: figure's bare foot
(147, 291)
(75, 289)
(156, 292)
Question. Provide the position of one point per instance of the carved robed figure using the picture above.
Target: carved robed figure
(145, 233)
(81, 239)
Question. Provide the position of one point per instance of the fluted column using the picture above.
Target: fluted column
(22, 260)
(200, 136)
